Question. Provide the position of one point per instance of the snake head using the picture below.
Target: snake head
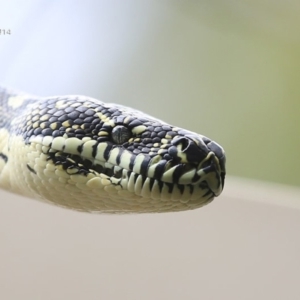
(160, 162)
(87, 155)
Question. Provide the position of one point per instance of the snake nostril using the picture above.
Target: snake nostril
(185, 143)
(188, 150)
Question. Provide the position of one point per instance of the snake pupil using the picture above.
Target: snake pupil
(120, 134)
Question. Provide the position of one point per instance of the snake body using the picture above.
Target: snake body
(80, 153)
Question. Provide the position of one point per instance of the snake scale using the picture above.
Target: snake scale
(80, 153)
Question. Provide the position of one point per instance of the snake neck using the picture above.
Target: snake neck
(11, 104)
(5, 112)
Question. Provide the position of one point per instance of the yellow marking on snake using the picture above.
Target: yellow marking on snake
(16, 101)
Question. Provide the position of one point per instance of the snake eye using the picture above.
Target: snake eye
(120, 134)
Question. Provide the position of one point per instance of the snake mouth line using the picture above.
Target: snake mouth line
(161, 179)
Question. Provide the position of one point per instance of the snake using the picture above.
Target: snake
(80, 153)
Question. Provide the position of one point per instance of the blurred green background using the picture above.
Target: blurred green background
(225, 69)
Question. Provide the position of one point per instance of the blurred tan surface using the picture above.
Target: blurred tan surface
(225, 69)
(234, 248)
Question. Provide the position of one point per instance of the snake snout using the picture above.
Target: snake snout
(207, 155)
(220, 157)
(219, 153)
